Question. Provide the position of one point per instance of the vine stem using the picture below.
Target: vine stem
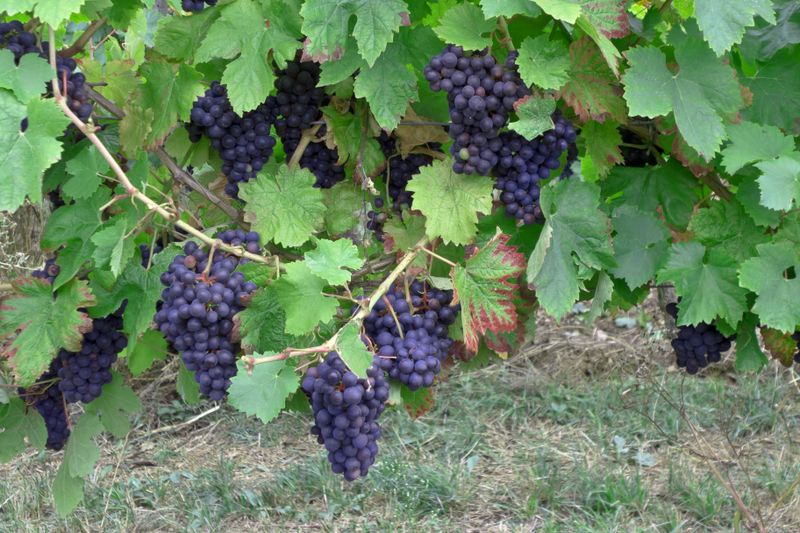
(81, 41)
(305, 140)
(439, 257)
(506, 40)
(330, 344)
(89, 132)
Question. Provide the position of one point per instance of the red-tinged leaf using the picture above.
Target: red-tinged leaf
(592, 90)
(781, 346)
(417, 402)
(689, 157)
(608, 16)
(486, 286)
(41, 324)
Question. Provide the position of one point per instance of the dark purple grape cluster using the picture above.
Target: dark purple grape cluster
(148, 252)
(523, 164)
(697, 346)
(635, 157)
(400, 170)
(82, 374)
(296, 105)
(412, 338)
(481, 93)
(346, 411)
(198, 306)
(49, 272)
(244, 142)
(196, 5)
(49, 401)
(376, 218)
(71, 84)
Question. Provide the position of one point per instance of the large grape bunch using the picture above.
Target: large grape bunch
(49, 402)
(697, 346)
(411, 339)
(400, 170)
(480, 93)
(198, 305)
(244, 142)
(197, 5)
(296, 105)
(19, 42)
(523, 164)
(346, 410)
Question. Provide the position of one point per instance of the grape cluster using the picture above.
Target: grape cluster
(796, 338)
(82, 374)
(346, 411)
(148, 252)
(376, 218)
(522, 164)
(295, 106)
(635, 157)
(412, 338)
(244, 142)
(50, 403)
(196, 5)
(480, 94)
(697, 346)
(400, 170)
(70, 83)
(196, 315)
(49, 272)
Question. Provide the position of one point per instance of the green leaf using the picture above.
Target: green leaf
(763, 41)
(299, 292)
(112, 249)
(749, 356)
(333, 72)
(179, 37)
(343, 202)
(263, 323)
(87, 170)
(464, 25)
(610, 17)
(24, 156)
(543, 62)
(249, 78)
(285, 207)
(534, 116)
(592, 90)
(405, 231)
(486, 287)
(566, 10)
(750, 142)
(187, 386)
(263, 392)
(353, 351)
(348, 136)
(749, 195)
(48, 12)
(388, 86)
(776, 92)
(169, 93)
(509, 8)
(607, 48)
(707, 284)
(151, 347)
(329, 259)
(602, 296)
(450, 202)
(602, 144)
(20, 425)
(723, 21)
(82, 452)
(776, 294)
(640, 245)
(780, 181)
(724, 225)
(67, 491)
(27, 80)
(575, 232)
(326, 23)
(41, 324)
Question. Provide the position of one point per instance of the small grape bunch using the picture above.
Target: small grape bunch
(697, 346)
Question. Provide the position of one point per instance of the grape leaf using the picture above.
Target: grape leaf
(450, 202)
(21, 425)
(42, 325)
(566, 10)
(49, 12)
(780, 181)
(575, 232)
(610, 17)
(27, 80)
(750, 142)
(602, 144)
(263, 324)
(333, 72)
(749, 195)
(706, 282)
(726, 226)
(81, 452)
(326, 23)
(723, 21)
(347, 130)
(781, 346)
(24, 156)
(263, 392)
(404, 232)
(509, 8)
(640, 245)
(607, 48)
(464, 25)
(776, 92)
(112, 249)
(543, 62)
(180, 37)
(168, 91)
(151, 347)
(67, 491)
(764, 40)
(284, 207)
(353, 351)
(187, 386)
(486, 287)
(592, 90)
(776, 294)
(701, 95)
(748, 351)
(86, 169)
(343, 202)
(418, 402)
(329, 259)
(533, 116)
(299, 291)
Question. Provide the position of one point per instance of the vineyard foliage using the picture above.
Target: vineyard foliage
(340, 202)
